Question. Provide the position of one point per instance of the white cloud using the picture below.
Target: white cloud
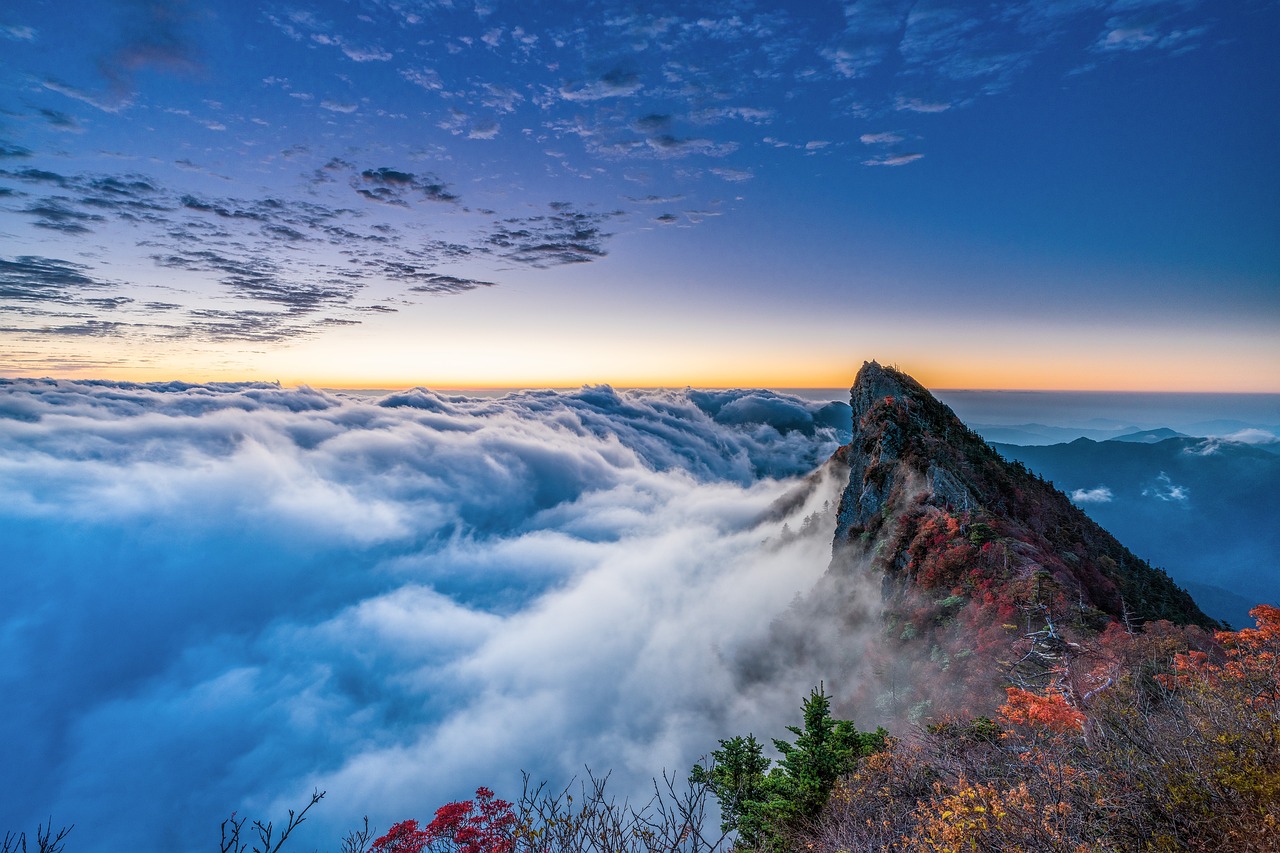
(615, 84)
(256, 590)
(1252, 435)
(1097, 495)
(1164, 489)
(114, 104)
(366, 54)
(483, 129)
(893, 159)
(19, 33)
(886, 138)
(919, 105)
(424, 77)
(1128, 38)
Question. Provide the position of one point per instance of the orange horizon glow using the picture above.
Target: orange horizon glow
(938, 378)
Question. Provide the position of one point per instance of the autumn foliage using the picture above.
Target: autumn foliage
(485, 824)
(1162, 740)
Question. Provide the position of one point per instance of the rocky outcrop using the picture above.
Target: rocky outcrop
(926, 494)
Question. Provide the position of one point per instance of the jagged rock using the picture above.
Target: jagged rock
(955, 573)
(912, 461)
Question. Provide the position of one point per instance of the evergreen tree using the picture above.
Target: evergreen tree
(737, 778)
(766, 805)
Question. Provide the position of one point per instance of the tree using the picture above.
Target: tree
(483, 825)
(1160, 741)
(736, 776)
(46, 840)
(267, 841)
(824, 750)
(767, 806)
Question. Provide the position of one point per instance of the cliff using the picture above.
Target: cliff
(986, 571)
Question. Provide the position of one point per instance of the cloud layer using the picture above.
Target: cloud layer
(219, 596)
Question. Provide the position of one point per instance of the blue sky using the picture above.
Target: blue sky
(1077, 194)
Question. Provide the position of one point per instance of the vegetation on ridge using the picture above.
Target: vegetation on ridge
(978, 555)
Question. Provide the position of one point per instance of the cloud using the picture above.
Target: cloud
(666, 145)
(18, 32)
(34, 279)
(152, 35)
(1164, 489)
(893, 159)
(256, 589)
(655, 199)
(425, 280)
(1252, 436)
(1150, 29)
(392, 186)
(60, 120)
(919, 105)
(885, 138)
(871, 28)
(751, 115)
(1097, 495)
(461, 123)
(259, 278)
(563, 236)
(736, 176)
(366, 54)
(424, 77)
(107, 104)
(58, 214)
(616, 83)
(501, 98)
(85, 329)
(483, 129)
(54, 297)
(338, 106)
(248, 246)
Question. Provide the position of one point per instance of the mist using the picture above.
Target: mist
(219, 597)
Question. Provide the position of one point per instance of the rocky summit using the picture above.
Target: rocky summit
(988, 574)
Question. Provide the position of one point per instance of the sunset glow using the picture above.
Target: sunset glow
(477, 195)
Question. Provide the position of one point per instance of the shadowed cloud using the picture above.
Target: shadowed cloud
(394, 598)
(564, 236)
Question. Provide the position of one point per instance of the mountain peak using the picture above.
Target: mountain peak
(974, 553)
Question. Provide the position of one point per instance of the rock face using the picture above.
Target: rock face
(974, 553)
(911, 457)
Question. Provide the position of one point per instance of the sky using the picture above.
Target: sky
(1077, 194)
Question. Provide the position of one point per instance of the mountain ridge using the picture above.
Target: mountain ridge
(979, 559)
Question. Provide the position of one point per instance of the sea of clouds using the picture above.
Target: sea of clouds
(219, 597)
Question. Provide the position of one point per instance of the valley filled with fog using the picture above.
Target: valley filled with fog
(234, 594)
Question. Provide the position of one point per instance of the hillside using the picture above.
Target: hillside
(987, 572)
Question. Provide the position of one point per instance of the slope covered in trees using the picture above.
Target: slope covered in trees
(1175, 745)
(975, 556)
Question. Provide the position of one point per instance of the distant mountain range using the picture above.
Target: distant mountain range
(1035, 434)
(1204, 509)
